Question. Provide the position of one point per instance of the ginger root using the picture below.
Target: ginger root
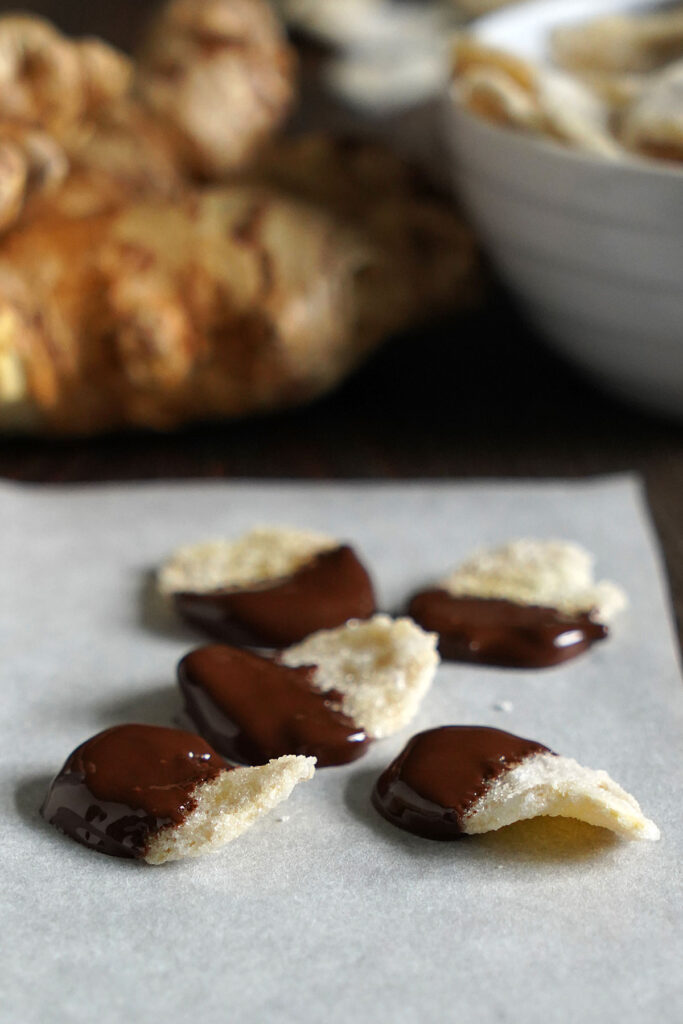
(431, 251)
(54, 83)
(226, 302)
(30, 161)
(168, 310)
(219, 76)
(131, 292)
(213, 82)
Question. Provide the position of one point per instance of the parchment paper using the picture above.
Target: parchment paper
(324, 912)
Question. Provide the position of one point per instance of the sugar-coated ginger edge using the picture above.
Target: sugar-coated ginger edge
(551, 573)
(227, 806)
(547, 785)
(383, 667)
(263, 554)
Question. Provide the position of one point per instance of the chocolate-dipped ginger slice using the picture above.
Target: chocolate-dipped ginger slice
(465, 780)
(272, 587)
(160, 794)
(327, 697)
(528, 604)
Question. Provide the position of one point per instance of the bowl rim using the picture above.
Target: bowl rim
(628, 162)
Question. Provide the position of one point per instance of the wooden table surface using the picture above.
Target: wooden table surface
(476, 397)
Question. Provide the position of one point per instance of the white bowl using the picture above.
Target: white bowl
(592, 248)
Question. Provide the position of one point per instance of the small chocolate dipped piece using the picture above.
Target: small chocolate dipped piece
(332, 588)
(465, 780)
(158, 794)
(271, 588)
(529, 604)
(328, 696)
(496, 632)
(382, 668)
(253, 708)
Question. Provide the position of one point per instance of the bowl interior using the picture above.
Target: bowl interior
(592, 248)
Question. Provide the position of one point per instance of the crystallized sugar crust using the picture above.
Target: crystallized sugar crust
(546, 785)
(382, 667)
(229, 805)
(265, 553)
(551, 574)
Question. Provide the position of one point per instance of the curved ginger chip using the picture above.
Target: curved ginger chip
(546, 785)
(465, 780)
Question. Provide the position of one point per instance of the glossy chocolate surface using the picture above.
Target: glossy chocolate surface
(433, 784)
(325, 593)
(121, 787)
(497, 632)
(252, 709)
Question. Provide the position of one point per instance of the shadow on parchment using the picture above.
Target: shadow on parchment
(538, 841)
(157, 615)
(549, 841)
(158, 705)
(28, 799)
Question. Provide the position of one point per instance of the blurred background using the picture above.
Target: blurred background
(477, 394)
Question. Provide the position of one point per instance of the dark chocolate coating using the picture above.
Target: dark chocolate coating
(331, 589)
(430, 787)
(252, 709)
(121, 787)
(497, 632)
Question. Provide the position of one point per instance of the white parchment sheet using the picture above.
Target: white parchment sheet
(323, 912)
